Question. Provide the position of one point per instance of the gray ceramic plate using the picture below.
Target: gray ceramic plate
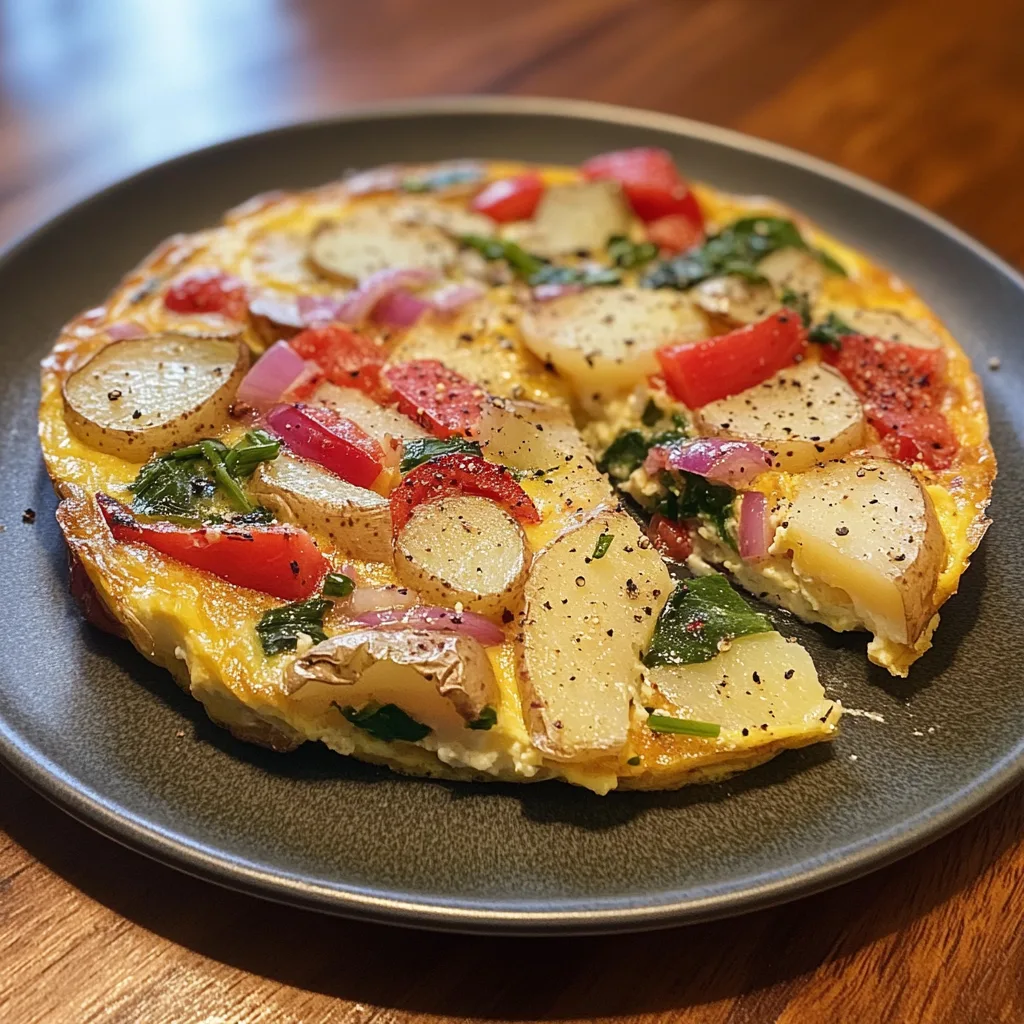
(96, 728)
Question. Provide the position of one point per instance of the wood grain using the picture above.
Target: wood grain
(924, 95)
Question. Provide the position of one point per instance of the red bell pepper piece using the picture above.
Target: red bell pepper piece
(675, 233)
(510, 198)
(326, 437)
(460, 474)
(902, 389)
(670, 538)
(651, 181)
(347, 359)
(698, 372)
(279, 560)
(208, 291)
(440, 400)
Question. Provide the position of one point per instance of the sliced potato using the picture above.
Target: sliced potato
(454, 220)
(146, 395)
(382, 422)
(576, 218)
(890, 325)
(868, 528)
(370, 239)
(441, 680)
(735, 299)
(542, 440)
(586, 623)
(795, 270)
(603, 340)
(464, 550)
(357, 521)
(805, 414)
(761, 688)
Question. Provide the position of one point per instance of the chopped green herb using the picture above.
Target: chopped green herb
(337, 584)
(683, 726)
(441, 178)
(737, 249)
(589, 277)
(604, 542)
(830, 262)
(422, 449)
(173, 486)
(700, 616)
(225, 481)
(830, 331)
(634, 761)
(624, 455)
(487, 720)
(651, 414)
(523, 263)
(386, 722)
(626, 254)
(799, 302)
(245, 455)
(279, 628)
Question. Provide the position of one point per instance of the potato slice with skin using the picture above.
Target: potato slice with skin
(868, 528)
(464, 550)
(797, 270)
(603, 340)
(762, 684)
(542, 440)
(357, 521)
(575, 218)
(585, 625)
(890, 325)
(442, 680)
(369, 240)
(735, 299)
(805, 414)
(382, 422)
(146, 395)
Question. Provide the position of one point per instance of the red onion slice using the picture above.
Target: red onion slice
(452, 297)
(442, 619)
(755, 529)
(400, 309)
(367, 600)
(271, 375)
(315, 310)
(358, 306)
(723, 462)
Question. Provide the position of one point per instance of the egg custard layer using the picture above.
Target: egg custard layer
(400, 465)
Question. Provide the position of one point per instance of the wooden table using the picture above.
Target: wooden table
(926, 96)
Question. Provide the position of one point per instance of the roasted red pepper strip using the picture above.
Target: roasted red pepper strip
(440, 400)
(510, 199)
(902, 389)
(698, 372)
(651, 181)
(460, 474)
(674, 233)
(330, 439)
(670, 538)
(208, 291)
(347, 359)
(279, 560)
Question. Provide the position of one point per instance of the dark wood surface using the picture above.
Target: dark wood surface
(926, 96)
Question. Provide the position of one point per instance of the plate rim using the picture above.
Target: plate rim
(745, 894)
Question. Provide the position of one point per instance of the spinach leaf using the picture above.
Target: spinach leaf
(798, 302)
(626, 254)
(387, 722)
(689, 496)
(589, 277)
(651, 414)
(418, 450)
(737, 249)
(487, 720)
(279, 628)
(830, 331)
(700, 615)
(630, 448)
(604, 542)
